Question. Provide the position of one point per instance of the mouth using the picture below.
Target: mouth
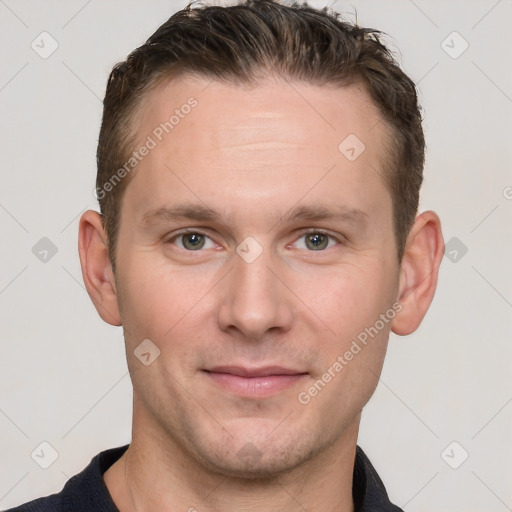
(255, 382)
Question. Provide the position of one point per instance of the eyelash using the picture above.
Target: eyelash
(302, 234)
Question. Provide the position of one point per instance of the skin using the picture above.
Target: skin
(254, 155)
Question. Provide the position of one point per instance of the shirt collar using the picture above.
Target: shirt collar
(368, 491)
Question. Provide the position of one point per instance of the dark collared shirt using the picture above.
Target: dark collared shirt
(87, 492)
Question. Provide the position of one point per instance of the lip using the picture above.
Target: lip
(254, 372)
(254, 382)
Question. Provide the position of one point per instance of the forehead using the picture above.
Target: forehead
(223, 141)
(242, 113)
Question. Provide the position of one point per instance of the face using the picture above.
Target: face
(253, 252)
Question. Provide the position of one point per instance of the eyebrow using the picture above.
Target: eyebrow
(203, 213)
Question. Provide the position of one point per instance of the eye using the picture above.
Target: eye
(192, 241)
(195, 241)
(316, 241)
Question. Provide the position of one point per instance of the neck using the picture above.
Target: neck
(156, 474)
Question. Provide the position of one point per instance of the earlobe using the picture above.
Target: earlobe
(96, 268)
(419, 272)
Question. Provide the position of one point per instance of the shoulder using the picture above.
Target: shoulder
(83, 492)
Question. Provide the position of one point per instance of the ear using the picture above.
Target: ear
(423, 253)
(96, 267)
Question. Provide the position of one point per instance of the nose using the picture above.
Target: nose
(254, 301)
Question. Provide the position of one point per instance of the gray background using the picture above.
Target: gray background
(63, 373)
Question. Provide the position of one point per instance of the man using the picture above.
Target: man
(259, 169)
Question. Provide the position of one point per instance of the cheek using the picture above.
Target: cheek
(350, 304)
(162, 305)
(350, 357)
(155, 297)
(352, 298)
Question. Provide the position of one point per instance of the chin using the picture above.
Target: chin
(250, 463)
(264, 455)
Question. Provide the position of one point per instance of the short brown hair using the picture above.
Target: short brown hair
(242, 42)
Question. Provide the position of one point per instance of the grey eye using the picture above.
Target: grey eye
(192, 241)
(316, 241)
